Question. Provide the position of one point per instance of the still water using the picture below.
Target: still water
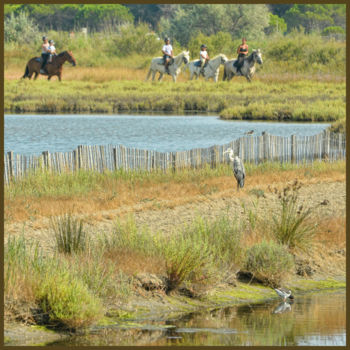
(317, 319)
(33, 134)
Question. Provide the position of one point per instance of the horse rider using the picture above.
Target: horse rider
(44, 54)
(242, 51)
(51, 50)
(168, 54)
(204, 57)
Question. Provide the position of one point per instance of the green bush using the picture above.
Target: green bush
(269, 262)
(20, 29)
(67, 301)
(69, 234)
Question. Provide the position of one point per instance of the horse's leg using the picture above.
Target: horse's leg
(153, 75)
(35, 75)
(174, 78)
(148, 75)
(160, 76)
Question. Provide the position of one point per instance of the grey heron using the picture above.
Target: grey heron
(284, 293)
(238, 168)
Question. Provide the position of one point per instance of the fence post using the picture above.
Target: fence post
(326, 145)
(46, 159)
(10, 164)
(293, 150)
(266, 147)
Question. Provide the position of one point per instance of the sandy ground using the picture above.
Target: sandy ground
(166, 219)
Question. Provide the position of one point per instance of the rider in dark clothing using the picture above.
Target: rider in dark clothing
(242, 51)
(45, 54)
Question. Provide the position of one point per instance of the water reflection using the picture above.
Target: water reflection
(310, 320)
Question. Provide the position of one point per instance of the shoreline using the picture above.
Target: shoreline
(173, 306)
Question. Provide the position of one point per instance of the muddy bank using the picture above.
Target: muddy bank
(150, 310)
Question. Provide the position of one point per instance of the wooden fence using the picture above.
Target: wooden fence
(255, 149)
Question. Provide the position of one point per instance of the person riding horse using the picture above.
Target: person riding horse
(204, 57)
(51, 50)
(44, 54)
(168, 54)
(242, 51)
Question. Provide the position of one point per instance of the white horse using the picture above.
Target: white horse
(211, 70)
(157, 65)
(248, 68)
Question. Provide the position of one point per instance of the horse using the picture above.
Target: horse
(157, 65)
(248, 68)
(53, 68)
(211, 70)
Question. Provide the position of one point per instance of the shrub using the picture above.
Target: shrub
(290, 225)
(20, 29)
(69, 234)
(269, 262)
(67, 301)
(187, 259)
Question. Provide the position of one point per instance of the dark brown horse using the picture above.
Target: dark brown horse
(53, 68)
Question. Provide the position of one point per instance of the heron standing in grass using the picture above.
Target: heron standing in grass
(238, 168)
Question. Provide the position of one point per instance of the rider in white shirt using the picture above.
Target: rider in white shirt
(204, 57)
(168, 53)
(51, 49)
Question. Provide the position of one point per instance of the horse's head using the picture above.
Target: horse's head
(70, 58)
(186, 57)
(223, 58)
(257, 56)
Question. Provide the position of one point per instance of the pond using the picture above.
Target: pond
(314, 319)
(33, 134)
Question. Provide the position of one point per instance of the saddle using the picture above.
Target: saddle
(38, 59)
(198, 63)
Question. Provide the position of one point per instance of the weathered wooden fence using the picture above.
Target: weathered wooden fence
(255, 149)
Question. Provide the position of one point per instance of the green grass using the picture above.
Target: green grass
(300, 101)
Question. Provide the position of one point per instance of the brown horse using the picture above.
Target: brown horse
(53, 68)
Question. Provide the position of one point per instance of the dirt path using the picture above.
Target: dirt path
(165, 219)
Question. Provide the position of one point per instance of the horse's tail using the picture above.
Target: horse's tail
(26, 72)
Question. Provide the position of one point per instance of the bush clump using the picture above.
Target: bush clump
(269, 262)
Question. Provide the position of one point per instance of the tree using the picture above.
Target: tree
(276, 25)
(239, 20)
(315, 17)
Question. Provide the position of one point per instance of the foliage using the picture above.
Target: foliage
(239, 20)
(20, 28)
(290, 226)
(334, 31)
(315, 17)
(73, 16)
(67, 301)
(276, 25)
(131, 39)
(269, 262)
(69, 234)
(48, 283)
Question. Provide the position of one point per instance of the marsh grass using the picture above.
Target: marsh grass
(46, 283)
(69, 234)
(290, 226)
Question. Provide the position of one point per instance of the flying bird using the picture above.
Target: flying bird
(249, 132)
(284, 293)
(238, 168)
